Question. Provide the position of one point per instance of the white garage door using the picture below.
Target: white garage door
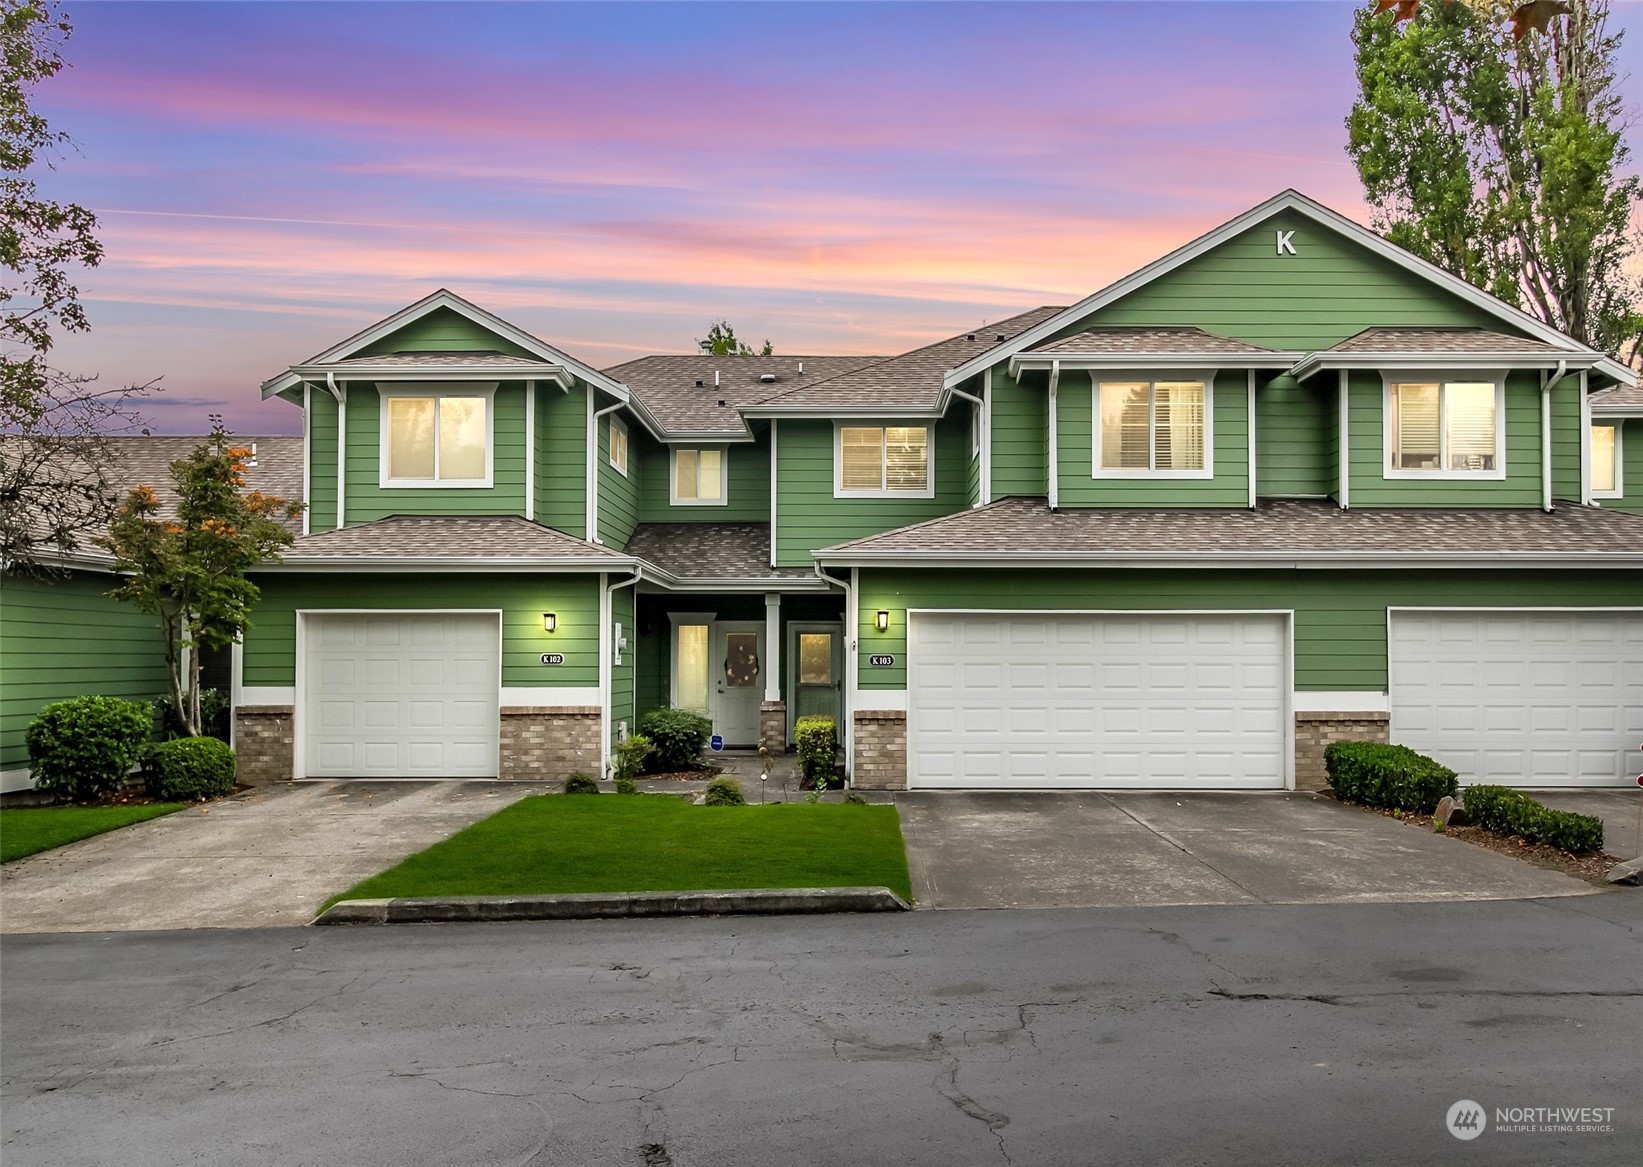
(1521, 698)
(1120, 701)
(400, 696)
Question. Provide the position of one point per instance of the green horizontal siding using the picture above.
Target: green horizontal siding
(1367, 434)
(443, 330)
(270, 647)
(1566, 439)
(322, 461)
(1075, 410)
(1020, 417)
(747, 486)
(561, 459)
(1340, 616)
(1631, 468)
(622, 676)
(64, 637)
(618, 492)
(1294, 440)
(808, 515)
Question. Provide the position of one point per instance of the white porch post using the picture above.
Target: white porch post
(773, 646)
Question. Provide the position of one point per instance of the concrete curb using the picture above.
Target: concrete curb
(616, 905)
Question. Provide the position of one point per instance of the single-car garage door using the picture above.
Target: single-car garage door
(1520, 698)
(1018, 699)
(400, 695)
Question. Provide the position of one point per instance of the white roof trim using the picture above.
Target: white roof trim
(1272, 360)
(1275, 559)
(1289, 200)
(445, 298)
(859, 411)
(1319, 361)
(376, 562)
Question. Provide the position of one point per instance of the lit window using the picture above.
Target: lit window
(1448, 427)
(619, 445)
(698, 477)
(1606, 461)
(437, 439)
(878, 460)
(690, 663)
(1151, 426)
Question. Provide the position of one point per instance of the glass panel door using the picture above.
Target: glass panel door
(818, 663)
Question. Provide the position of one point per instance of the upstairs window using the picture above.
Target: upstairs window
(698, 477)
(619, 445)
(1146, 428)
(1606, 458)
(882, 461)
(436, 438)
(1444, 429)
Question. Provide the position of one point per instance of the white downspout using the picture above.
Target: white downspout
(592, 509)
(1546, 386)
(1054, 474)
(772, 492)
(1586, 498)
(340, 392)
(307, 452)
(607, 653)
(1344, 470)
(980, 447)
(530, 450)
(1251, 439)
(987, 437)
(847, 703)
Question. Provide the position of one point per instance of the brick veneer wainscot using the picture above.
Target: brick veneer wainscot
(548, 742)
(881, 750)
(1314, 731)
(265, 744)
(773, 726)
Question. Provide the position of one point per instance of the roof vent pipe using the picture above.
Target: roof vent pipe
(801, 368)
(715, 378)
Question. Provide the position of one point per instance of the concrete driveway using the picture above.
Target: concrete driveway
(267, 858)
(1081, 849)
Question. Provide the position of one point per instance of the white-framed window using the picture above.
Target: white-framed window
(699, 477)
(619, 445)
(692, 636)
(437, 435)
(1445, 427)
(1153, 427)
(883, 461)
(1607, 459)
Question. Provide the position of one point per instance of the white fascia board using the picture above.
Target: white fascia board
(650, 573)
(377, 565)
(857, 411)
(1321, 361)
(1289, 200)
(1219, 559)
(1616, 410)
(1274, 360)
(680, 438)
(523, 371)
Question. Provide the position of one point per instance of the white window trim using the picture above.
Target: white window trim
(386, 391)
(615, 426)
(1619, 490)
(929, 490)
(1442, 378)
(1152, 377)
(673, 478)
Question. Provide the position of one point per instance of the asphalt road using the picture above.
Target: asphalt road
(1244, 1034)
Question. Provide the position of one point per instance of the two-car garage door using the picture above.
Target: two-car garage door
(400, 695)
(1037, 700)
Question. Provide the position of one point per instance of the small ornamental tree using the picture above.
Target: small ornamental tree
(189, 570)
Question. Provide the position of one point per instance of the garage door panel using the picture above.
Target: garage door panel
(1530, 698)
(1097, 700)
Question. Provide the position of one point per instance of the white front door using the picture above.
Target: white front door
(1520, 698)
(737, 673)
(1097, 700)
(400, 695)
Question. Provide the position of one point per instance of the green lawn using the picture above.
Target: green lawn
(29, 829)
(549, 844)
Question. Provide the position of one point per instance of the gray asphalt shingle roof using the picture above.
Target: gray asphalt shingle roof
(1627, 398)
(1440, 340)
(453, 537)
(667, 386)
(146, 461)
(711, 551)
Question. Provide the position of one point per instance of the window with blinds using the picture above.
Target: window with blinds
(1606, 461)
(1152, 426)
(698, 477)
(1450, 426)
(883, 460)
(436, 439)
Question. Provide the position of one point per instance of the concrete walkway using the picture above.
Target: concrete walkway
(263, 859)
(1082, 849)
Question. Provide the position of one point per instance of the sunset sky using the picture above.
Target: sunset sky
(836, 177)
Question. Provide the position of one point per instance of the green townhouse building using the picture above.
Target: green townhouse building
(1286, 485)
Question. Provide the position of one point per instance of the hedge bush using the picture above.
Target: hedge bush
(628, 757)
(626, 786)
(85, 747)
(724, 792)
(581, 784)
(1387, 776)
(677, 738)
(818, 742)
(190, 769)
(1511, 812)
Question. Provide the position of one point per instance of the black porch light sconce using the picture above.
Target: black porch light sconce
(550, 622)
(883, 620)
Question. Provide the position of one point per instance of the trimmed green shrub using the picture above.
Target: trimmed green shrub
(677, 738)
(581, 784)
(856, 798)
(85, 747)
(190, 769)
(628, 757)
(1511, 812)
(724, 792)
(626, 786)
(818, 742)
(1387, 776)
